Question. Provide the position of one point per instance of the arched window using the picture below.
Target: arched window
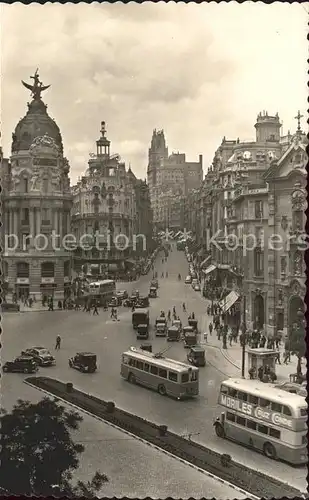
(47, 270)
(22, 270)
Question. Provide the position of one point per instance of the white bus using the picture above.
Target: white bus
(264, 418)
(102, 290)
(167, 376)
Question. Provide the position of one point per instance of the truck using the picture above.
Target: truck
(140, 317)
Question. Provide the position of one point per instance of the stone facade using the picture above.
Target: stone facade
(36, 201)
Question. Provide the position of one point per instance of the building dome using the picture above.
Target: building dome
(36, 123)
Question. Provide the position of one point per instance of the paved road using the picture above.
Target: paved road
(81, 331)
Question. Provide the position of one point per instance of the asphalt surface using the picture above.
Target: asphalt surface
(108, 339)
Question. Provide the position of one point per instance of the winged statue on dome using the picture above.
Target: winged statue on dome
(37, 88)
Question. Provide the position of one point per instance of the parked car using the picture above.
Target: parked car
(122, 294)
(197, 288)
(173, 334)
(41, 356)
(85, 362)
(21, 364)
(188, 280)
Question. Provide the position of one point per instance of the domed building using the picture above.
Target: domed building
(37, 204)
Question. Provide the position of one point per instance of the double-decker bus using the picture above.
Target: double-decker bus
(265, 418)
(102, 290)
(167, 376)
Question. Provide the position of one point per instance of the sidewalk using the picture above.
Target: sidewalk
(233, 354)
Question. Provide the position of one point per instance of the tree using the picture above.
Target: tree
(38, 455)
(297, 344)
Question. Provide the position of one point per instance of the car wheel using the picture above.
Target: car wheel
(162, 390)
(269, 451)
(131, 378)
(25, 370)
(5, 369)
(219, 431)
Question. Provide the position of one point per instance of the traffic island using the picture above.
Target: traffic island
(220, 465)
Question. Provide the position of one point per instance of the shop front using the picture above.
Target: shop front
(22, 288)
(48, 287)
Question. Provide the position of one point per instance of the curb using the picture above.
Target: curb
(212, 476)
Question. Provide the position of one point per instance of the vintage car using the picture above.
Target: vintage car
(142, 331)
(188, 280)
(173, 334)
(161, 326)
(153, 292)
(178, 324)
(142, 302)
(146, 347)
(189, 336)
(196, 356)
(193, 323)
(41, 356)
(154, 282)
(21, 364)
(122, 294)
(85, 362)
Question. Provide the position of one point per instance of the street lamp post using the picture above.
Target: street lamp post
(224, 337)
(243, 341)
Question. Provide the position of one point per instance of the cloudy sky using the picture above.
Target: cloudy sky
(201, 72)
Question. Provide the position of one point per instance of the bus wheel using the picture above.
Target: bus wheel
(269, 451)
(219, 431)
(131, 378)
(162, 390)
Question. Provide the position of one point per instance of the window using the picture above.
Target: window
(258, 262)
(184, 377)
(258, 209)
(154, 370)
(251, 425)
(241, 421)
(25, 185)
(287, 411)
(263, 429)
(125, 360)
(22, 270)
(232, 392)
(26, 216)
(303, 412)
(172, 376)
(276, 407)
(194, 376)
(274, 433)
(242, 396)
(230, 416)
(132, 362)
(264, 403)
(47, 270)
(162, 373)
(45, 185)
(304, 439)
(253, 399)
(139, 365)
(146, 367)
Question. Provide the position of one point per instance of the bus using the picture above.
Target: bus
(102, 290)
(166, 376)
(265, 418)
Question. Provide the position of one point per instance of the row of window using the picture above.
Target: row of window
(47, 269)
(160, 372)
(257, 401)
(254, 426)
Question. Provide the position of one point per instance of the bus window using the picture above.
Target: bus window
(230, 416)
(224, 389)
(253, 399)
(241, 421)
(232, 392)
(303, 412)
(172, 376)
(154, 370)
(243, 396)
(184, 377)
(276, 407)
(162, 373)
(304, 439)
(286, 411)
(251, 425)
(131, 362)
(194, 376)
(274, 433)
(263, 403)
(263, 429)
(139, 365)
(125, 360)
(146, 367)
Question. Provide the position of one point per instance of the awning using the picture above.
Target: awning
(209, 269)
(229, 300)
(204, 261)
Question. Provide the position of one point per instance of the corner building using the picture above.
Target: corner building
(37, 201)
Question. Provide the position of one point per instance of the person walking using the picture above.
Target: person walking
(95, 309)
(51, 304)
(58, 342)
(210, 329)
(184, 307)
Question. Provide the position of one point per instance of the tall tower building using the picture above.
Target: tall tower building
(157, 152)
(36, 202)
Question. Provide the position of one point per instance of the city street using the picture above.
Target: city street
(108, 339)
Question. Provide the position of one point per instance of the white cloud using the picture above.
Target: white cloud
(198, 71)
